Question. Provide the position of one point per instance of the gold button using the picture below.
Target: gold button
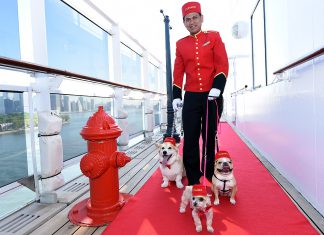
(200, 89)
(198, 69)
(197, 48)
(196, 43)
(200, 84)
(197, 52)
(198, 63)
(197, 58)
(198, 74)
(199, 79)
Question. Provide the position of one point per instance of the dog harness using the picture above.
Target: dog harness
(224, 186)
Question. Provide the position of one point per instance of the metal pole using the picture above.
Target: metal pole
(170, 112)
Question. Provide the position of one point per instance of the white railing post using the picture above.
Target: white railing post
(148, 118)
(50, 141)
(119, 113)
(121, 118)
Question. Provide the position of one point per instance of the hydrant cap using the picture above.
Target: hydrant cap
(100, 126)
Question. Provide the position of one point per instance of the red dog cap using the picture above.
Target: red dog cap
(221, 154)
(199, 191)
(170, 140)
(190, 7)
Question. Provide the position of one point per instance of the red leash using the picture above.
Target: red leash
(206, 131)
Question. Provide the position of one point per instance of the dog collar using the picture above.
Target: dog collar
(202, 212)
(166, 165)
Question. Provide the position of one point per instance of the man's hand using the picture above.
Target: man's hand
(213, 94)
(176, 103)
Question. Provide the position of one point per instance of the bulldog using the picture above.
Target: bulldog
(171, 164)
(200, 203)
(223, 180)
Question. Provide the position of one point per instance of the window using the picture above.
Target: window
(131, 67)
(134, 109)
(156, 112)
(259, 46)
(9, 29)
(153, 77)
(74, 43)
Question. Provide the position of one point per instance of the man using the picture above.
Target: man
(202, 57)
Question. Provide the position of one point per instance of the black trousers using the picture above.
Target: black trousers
(194, 125)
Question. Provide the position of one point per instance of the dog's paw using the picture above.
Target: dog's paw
(182, 210)
(210, 229)
(179, 185)
(232, 200)
(165, 184)
(216, 202)
(199, 228)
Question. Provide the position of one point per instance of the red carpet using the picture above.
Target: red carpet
(262, 206)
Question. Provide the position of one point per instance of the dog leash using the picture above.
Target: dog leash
(173, 124)
(206, 131)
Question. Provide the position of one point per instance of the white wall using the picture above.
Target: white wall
(284, 120)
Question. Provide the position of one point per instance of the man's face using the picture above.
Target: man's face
(193, 22)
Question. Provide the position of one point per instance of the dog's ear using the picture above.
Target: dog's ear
(158, 145)
(176, 147)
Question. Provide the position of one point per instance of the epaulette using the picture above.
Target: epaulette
(210, 31)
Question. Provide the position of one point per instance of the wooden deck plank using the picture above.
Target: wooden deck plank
(131, 178)
(136, 178)
(133, 172)
(67, 229)
(134, 161)
(58, 221)
(100, 230)
(85, 231)
(28, 219)
(144, 179)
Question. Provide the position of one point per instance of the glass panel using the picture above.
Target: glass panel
(153, 77)
(75, 111)
(9, 29)
(75, 43)
(131, 67)
(134, 109)
(157, 112)
(258, 40)
(13, 152)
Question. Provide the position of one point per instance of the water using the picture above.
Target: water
(15, 157)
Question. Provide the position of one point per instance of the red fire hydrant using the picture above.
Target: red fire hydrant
(100, 164)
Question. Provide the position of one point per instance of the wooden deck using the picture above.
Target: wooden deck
(40, 219)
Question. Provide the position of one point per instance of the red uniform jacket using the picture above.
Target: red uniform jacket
(204, 60)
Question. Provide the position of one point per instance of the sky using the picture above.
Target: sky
(144, 22)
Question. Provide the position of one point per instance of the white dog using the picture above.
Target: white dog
(200, 203)
(223, 181)
(171, 164)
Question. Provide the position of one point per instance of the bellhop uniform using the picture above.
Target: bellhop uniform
(202, 57)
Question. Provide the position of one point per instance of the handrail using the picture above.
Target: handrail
(237, 91)
(300, 61)
(27, 66)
